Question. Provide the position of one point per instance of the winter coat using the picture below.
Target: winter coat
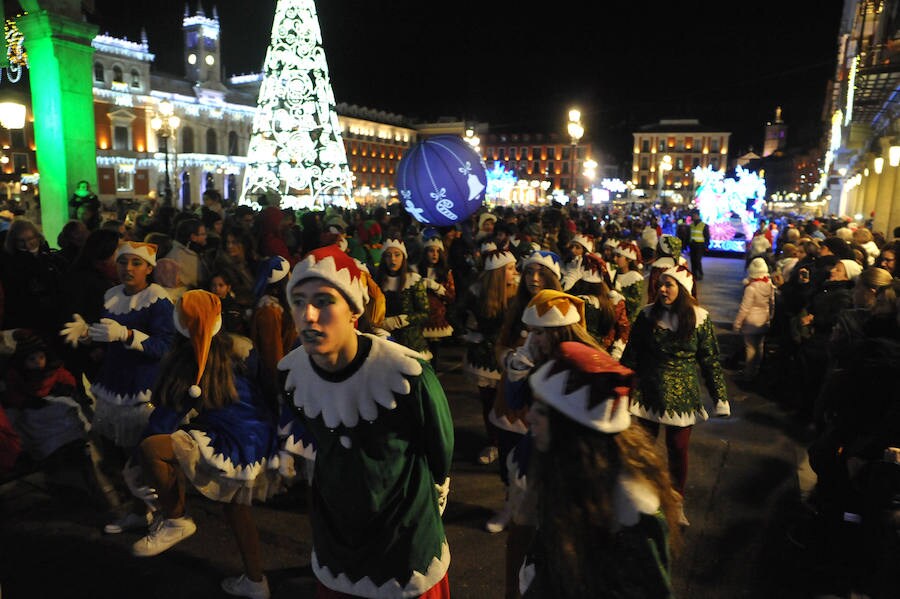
(757, 307)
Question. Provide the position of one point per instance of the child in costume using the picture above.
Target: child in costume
(211, 429)
(590, 487)
(629, 280)
(381, 436)
(406, 300)
(441, 293)
(671, 346)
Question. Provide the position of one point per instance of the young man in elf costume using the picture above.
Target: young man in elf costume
(380, 434)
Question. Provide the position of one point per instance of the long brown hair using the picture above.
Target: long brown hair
(607, 317)
(492, 297)
(682, 308)
(178, 371)
(575, 480)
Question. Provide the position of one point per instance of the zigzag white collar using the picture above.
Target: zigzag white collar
(383, 374)
(116, 302)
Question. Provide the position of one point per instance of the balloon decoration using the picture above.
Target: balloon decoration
(441, 180)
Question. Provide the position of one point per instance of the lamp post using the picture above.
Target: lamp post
(576, 131)
(165, 123)
(664, 165)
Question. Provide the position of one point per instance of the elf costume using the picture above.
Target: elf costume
(382, 436)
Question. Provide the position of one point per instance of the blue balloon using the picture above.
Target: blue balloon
(441, 180)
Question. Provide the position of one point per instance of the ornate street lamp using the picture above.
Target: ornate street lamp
(664, 165)
(576, 131)
(166, 124)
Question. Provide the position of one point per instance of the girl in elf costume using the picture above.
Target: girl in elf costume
(212, 429)
(629, 280)
(606, 318)
(482, 308)
(136, 331)
(441, 292)
(596, 495)
(382, 442)
(579, 246)
(671, 346)
(405, 298)
(668, 252)
(540, 271)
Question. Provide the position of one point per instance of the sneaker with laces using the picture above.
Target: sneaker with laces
(488, 455)
(164, 533)
(129, 521)
(241, 586)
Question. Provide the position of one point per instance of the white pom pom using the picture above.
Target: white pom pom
(194, 391)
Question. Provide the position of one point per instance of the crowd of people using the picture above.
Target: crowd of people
(241, 351)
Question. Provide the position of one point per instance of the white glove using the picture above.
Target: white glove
(148, 495)
(723, 409)
(440, 289)
(107, 331)
(443, 493)
(75, 331)
(286, 465)
(392, 323)
(523, 357)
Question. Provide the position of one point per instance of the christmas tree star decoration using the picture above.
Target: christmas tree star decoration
(296, 150)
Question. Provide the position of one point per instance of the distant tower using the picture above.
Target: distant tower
(202, 52)
(296, 150)
(776, 135)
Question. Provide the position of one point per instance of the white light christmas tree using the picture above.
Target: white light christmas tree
(296, 151)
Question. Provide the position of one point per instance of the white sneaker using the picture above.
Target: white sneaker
(241, 586)
(488, 455)
(164, 533)
(499, 521)
(129, 521)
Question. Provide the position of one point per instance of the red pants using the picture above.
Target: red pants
(677, 440)
(439, 591)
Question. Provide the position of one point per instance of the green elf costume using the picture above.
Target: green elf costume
(406, 304)
(381, 436)
(630, 284)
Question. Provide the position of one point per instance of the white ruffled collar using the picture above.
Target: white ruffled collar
(116, 302)
(374, 384)
(670, 321)
(627, 279)
(632, 497)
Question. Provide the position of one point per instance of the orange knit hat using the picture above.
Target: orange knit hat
(198, 316)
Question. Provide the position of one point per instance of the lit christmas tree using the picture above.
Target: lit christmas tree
(296, 150)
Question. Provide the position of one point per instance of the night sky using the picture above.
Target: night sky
(624, 64)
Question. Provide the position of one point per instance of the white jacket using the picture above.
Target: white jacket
(756, 309)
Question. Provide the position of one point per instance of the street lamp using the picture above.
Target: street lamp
(165, 123)
(576, 131)
(664, 165)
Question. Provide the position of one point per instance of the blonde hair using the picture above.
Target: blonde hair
(862, 235)
(494, 299)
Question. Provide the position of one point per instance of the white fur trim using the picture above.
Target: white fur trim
(663, 263)
(609, 416)
(627, 279)
(417, 584)
(495, 261)
(551, 318)
(396, 244)
(116, 302)
(383, 374)
(631, 498)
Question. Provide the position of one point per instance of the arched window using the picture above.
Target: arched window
(187, 140)
(135, 78)
(212, 142)
(118, 77)
(99, 72)
(233, 149)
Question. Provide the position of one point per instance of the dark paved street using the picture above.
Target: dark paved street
(742, 497)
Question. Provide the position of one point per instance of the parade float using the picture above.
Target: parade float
(730, 206)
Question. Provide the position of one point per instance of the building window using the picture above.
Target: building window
(192, 39)
(714, 164)
(689, 143)
(20, 163)
(99, 72)
(233, 149)
(645, 163)
(118, 77)
(17, 138)
(679, 164)
(187, 140)
(124, 180)
(645, 145)
(121, 137)
(135, 79)
(695, 163)
(212, 142)
(644, 181)
(714, 145)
